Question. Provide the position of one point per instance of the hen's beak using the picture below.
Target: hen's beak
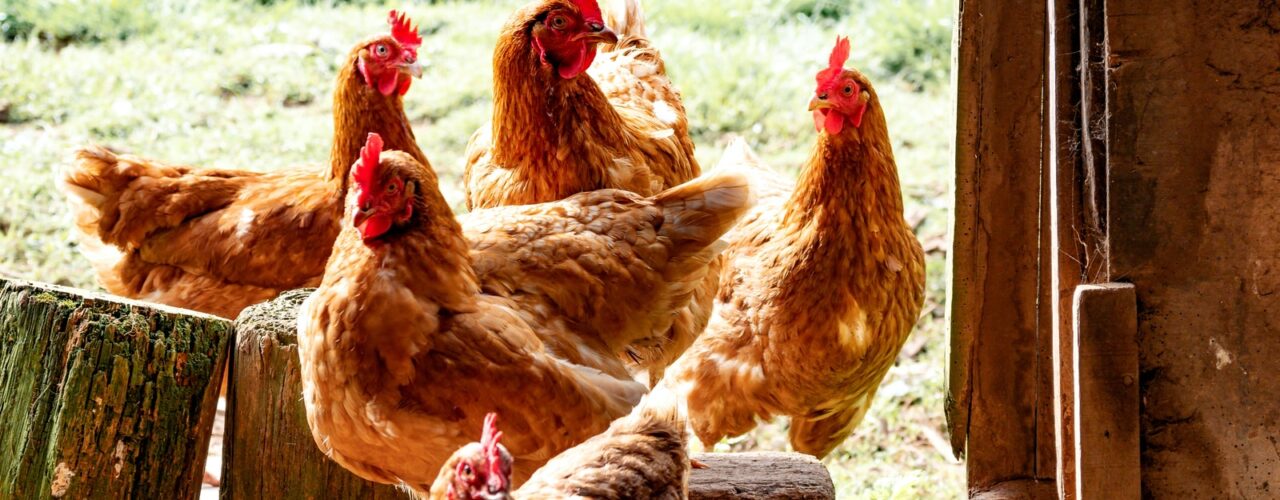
(413, 69)
(599, 34)
(363, 216)
(820, 102)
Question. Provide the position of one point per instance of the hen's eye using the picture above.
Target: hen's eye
(848, 90)
(381, 50)
(558, 22)
(466, 469)
(395, 186)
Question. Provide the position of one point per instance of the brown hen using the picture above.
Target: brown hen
(556, 131)
(218, 241)
(822, 285)
(404, 348)
(641, 456)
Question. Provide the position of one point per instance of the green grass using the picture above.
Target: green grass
(247, 85)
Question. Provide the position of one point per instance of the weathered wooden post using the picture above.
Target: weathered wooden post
(268, 450)
(102, 397)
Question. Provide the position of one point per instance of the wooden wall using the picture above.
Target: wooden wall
(1118, 141)
(1194, 164)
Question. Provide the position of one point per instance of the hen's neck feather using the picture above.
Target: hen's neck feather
(546, 128)
(359, 109)
(846, 211)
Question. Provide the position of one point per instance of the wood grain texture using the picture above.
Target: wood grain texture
(1193, 104)
(760, 476)
(1106, 393)
(269, 452)
(995, 259)
(102, 397)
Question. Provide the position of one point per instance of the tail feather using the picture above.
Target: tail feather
(766, 184)
(88, 185)
(624, 17)
(697, 213)
(695, 216)
(93, 186)
(739, 154)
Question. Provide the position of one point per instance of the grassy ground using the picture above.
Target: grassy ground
(248, 86)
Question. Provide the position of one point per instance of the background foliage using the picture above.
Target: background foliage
(247, 85)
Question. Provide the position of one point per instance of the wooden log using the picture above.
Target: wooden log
(102, 397)
(760, 476)
(268, 450)
(1108, 444)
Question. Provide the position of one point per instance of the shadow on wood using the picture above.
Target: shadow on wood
(103, 397)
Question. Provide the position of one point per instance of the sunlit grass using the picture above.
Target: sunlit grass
(223, 84)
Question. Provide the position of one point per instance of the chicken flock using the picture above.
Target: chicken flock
(601, 298)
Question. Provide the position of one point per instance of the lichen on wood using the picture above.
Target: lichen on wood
(102, 397)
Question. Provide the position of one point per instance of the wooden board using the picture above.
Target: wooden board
(1106, 433)
(992, 404)
(268, 450)
(102, 397)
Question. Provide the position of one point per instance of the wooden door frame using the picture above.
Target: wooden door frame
(1029, 228)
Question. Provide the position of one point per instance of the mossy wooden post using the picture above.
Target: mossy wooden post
(102, 397)
(269, 452)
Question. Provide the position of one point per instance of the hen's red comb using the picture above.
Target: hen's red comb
(590, 10)
(835, 64)
(489, 443)
(369, 158)
(403, 29)
(839, 54)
